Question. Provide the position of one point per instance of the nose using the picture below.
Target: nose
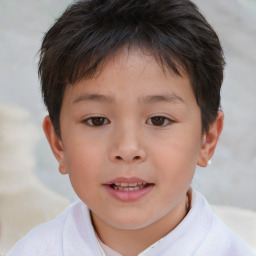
(127, 146)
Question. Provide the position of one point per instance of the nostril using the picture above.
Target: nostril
(134, 158)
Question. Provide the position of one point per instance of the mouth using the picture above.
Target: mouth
(123, 186)
(128, 189)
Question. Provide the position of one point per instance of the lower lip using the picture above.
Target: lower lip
(128, 196)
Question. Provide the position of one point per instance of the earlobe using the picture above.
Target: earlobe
(210, 140)
(55, 143)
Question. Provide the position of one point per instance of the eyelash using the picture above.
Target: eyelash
(167, 121)
(89, 121)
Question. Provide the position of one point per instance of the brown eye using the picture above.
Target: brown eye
(97, 121)
(159, 121)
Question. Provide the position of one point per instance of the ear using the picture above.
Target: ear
(210, 140)
(55, 144)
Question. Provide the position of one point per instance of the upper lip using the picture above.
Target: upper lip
(126, 180)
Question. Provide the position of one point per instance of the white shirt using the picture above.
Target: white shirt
(200, 233)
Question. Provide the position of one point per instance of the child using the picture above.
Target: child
(133, 93)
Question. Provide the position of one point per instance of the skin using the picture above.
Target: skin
(131, 142)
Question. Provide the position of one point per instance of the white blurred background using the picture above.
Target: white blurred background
(231, 179)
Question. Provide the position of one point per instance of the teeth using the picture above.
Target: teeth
(134, 189)
(126, 189)
(133, 184)
(123, 186)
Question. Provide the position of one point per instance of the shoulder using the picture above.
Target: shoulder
(47, 238)
(221, 240)
(42, 240)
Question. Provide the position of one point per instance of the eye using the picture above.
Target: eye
(96, 121)
(159, 121)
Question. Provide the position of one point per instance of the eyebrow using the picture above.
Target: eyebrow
(168, 98)
(94, 97)
(149, 99)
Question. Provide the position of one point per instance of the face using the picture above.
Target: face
(130, 140)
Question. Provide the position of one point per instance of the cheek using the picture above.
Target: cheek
(83, 170)
(176, 159)
(83, 161)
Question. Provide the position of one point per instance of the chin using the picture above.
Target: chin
(131, 222)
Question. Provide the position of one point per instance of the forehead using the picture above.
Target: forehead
(135, 73)
(138, 59)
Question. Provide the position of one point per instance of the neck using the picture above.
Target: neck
(132, 242)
